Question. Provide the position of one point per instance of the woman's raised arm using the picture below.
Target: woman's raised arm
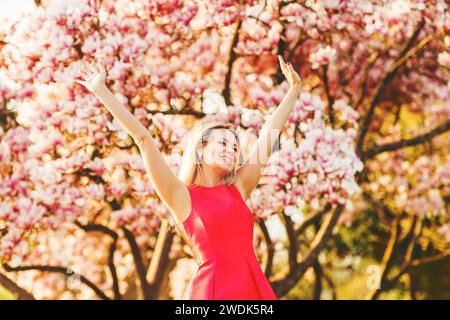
(169, 188)
(249, 173)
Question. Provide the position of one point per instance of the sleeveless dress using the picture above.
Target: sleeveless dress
(219, 230)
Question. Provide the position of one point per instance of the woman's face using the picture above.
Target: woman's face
(221, 150)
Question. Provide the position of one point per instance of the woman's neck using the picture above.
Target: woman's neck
(208, 179)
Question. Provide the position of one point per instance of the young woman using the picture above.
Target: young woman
(207, 199)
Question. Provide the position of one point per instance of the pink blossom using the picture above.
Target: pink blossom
(444, 59)
(322, 56)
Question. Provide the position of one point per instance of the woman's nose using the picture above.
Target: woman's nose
(230, 152)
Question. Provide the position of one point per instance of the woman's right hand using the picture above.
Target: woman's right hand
(94, 76)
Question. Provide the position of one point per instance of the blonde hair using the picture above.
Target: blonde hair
(191, 168)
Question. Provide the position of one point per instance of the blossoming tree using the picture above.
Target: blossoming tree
(369, 133)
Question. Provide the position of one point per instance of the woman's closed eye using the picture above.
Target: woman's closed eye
(224, 144)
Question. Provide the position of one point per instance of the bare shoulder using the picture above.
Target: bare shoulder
(181, 203)
(240, 187)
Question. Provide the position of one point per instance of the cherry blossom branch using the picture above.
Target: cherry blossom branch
(330, 98)
(12, 287)
(112, 268)
(112, 249)
(62, 270)
(411, 237)
(281, 47)
(385, 214)
(139, 263)
(321, 238)
(387, 258)
(232, 57)
(160, 264)
(265, 24)
(372, 59)
(5, 115)
(86, 172)
(283, 286)
(293, 243)
(419, 262)
(297, 44)
(383, 84)
(190, 112)
(331, 285)
(318, 273)
(310, 219)
(270, 248)
(411, 286)
(407, 142)
(413, 234)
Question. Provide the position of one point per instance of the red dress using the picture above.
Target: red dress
(220, 230)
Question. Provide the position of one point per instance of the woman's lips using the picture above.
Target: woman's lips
(226, 158)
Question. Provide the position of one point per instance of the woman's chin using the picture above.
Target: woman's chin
(227, 167)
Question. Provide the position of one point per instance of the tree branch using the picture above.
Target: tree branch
(411, 286)
(291, 52)
(310, 219)
(330, 98)
(331, 285)
(293, 244)
(281, 47)
(112, 249)
(140, 267)
(413, 234)
(383, 84)
(62, 270)
(387, 258)
(318, 273)
(11, 286)
(270, 248)
(160, 265)
(197, 114)
(322, 237)
(372, 59)
(232, 57)
(283, 286)
(407, 142)
(419, 262)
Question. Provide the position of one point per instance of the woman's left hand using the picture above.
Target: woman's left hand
(288, 70)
